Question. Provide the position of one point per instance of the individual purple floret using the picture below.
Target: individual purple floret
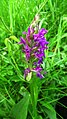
(40, 75)
(22, 41)
(34, 46)
(27, 51)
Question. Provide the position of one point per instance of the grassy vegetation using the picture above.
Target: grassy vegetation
(15, 95)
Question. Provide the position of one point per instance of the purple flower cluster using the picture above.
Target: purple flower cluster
(33, 46)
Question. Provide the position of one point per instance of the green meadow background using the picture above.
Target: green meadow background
(15, 17)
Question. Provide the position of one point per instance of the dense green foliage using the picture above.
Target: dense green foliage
(15, 17)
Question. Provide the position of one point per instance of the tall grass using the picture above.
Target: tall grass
(15, 17)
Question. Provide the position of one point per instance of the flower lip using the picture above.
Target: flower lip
(43, 31)
(35, 36)
(40, 75)
(37, 69)
(40, 61)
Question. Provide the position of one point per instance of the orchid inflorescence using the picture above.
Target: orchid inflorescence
(33, 45)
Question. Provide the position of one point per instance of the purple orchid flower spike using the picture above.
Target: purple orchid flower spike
(43, 31)
(34, 46)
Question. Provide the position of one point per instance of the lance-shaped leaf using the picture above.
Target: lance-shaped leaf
(19, 111)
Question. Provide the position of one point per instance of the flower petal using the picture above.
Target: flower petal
(40, 75)
(43, 31)
(22, 41)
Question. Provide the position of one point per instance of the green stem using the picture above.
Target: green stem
(34, 95)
